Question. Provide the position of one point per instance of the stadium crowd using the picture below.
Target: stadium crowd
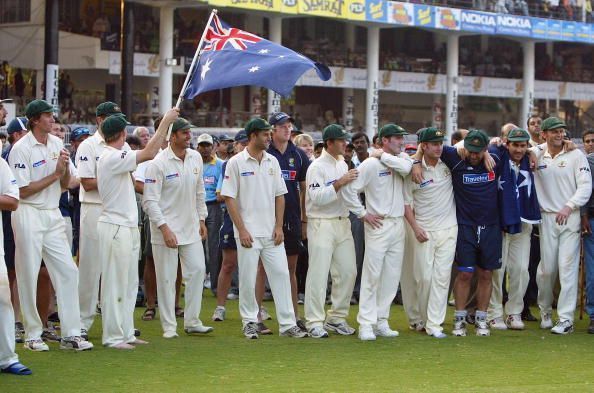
(338, 222)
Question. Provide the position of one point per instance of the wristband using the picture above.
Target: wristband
(416, 162)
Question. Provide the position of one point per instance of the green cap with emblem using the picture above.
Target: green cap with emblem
(114, 124)
(552, 123)
(107, 109)
(37, 107)
(181, 124)
(431, 134)
(518, 135)
(391, 129)
(476, 141)
(334, 131)
(257, 124)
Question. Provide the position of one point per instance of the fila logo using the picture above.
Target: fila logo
(84, 158)
(19, 166)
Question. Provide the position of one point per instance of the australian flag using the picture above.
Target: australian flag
(517, 195)
(233, 57)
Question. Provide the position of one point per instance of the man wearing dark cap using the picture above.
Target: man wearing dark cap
(294, 163)
(381, 178)
(564, 184)
(478, 247)
(41, 167)
(222, 149)
(86, 159)
(254, 191)
(212, 172)
(117, 227)
(519, 210)
(330, 245)
(174, 201)
(433, 221)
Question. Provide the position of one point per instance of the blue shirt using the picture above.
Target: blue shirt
(294, 164)
(475, 189)
(212, 174)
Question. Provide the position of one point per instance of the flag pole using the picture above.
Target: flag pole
(190, 71)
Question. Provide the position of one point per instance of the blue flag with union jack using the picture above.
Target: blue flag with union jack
(232, 57)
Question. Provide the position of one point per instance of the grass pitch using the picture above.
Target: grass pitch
(509, 361)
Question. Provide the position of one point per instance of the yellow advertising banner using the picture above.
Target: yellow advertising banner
(343, 9)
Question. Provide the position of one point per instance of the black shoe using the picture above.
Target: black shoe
(136, 332)
(54, 318)
(301, 325)
(527, 316)
(591, 327)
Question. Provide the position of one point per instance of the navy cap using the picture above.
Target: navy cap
(279, 118)
(225, 137)
(241, 136)
(79, 132)
(17, 124)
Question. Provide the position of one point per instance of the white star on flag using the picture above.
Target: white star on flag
(527, 182)
(263, 51)
(281, 57)
(205, 68)
(254, 69)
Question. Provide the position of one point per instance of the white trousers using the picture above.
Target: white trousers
(515, 259)
(7, 354)
(89, 265)
(39, 234)
(191, 257)
(432, 270)
(408, 288)
(276, 266)
(559, 254)
(119, 283)
(331, 250)
(382, 265)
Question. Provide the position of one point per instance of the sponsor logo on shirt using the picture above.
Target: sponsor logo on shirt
(329, 183)
(289, 175)
(384, 173)
(149, 181)
(39, 163)
(426, 183)
(584, 169)
(209, 180)
(83, 158)
(171, 176)
(474, 178)
(251, 173)
(544, 166)
(13, 181)
(314, 185)
(97, 158)
(19, 166)
(123, 154)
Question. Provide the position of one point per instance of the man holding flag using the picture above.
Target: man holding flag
(519, 210)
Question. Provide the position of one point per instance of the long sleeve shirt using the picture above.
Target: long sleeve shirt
(321, 199)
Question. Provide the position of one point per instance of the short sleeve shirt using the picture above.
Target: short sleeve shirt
(254, 185)
(8, 187)
(32, 161)
(116, 189)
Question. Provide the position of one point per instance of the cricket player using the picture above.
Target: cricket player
(41, 168)
(519, 210)
(294, 163)
(173, 198)
(117, 228)
(86, 159)
(9, 200)
(381, 178)
(433, 221)
(563, 184)
(330, 245)
(254, 191)
(478, 246)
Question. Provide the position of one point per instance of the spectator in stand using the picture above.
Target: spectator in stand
(101, 26)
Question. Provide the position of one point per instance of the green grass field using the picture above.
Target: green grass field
(509, 361)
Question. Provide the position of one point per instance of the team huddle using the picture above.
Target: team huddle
(472, 205)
